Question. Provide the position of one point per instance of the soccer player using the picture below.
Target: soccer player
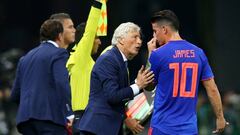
(178, 67)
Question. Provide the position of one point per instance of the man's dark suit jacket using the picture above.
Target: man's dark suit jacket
(41, 87)
(109, 92)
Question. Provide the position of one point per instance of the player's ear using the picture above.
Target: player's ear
(165, 29)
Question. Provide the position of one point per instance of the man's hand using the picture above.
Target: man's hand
(99, 1)
(152, 45)
(134, 125)
(70, 122)
(102, 1)
(221, 125)
(144, 77)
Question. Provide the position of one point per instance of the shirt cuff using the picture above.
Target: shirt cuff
(135, 89)
(70, 117)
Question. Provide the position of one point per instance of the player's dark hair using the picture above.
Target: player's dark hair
(166, 17)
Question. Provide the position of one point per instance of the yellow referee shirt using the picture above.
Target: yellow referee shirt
(80, 63)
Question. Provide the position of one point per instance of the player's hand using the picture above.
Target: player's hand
(221, 125)
(134, 125)
(152, 45)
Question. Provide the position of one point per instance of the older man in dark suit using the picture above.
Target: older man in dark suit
(41, 87)
(110, 88)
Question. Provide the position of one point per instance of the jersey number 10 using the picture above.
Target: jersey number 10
(183, 78)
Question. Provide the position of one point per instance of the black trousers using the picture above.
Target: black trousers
(86, 133)
(89, 133)
(41, 127)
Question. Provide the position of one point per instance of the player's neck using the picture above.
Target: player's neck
(175, 36)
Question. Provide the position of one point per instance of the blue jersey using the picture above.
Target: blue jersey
(178, 67)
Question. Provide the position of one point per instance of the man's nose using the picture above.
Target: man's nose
(139, 40)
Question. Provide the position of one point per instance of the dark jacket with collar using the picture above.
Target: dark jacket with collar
(41, 87)
(109, 92)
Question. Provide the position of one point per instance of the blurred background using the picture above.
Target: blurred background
(213, 25)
